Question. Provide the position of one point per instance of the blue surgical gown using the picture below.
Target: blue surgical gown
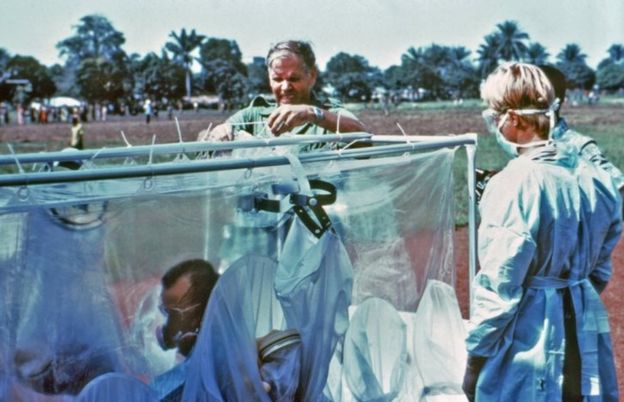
(549, 222)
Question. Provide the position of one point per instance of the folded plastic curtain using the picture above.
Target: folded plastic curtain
(436, 346)
(63, 335)
(375, 352)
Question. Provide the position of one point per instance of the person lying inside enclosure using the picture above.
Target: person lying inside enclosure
(549, 223)
(297, 109)
(186, 289)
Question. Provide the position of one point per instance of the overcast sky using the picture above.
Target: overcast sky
(379, 30)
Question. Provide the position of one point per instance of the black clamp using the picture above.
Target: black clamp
(317, 221)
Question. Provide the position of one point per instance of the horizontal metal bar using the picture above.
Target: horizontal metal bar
(471, 138)
(176, 148)
(169, 168)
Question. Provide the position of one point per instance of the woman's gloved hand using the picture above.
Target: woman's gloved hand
(473, 368)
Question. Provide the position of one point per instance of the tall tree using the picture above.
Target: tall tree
(571, 53)
(611, 77)
(351, 76)
(159, 77)
(610, 72)
(95, 37)
(257, 78)
(460, 76)
(103, 80)
(5, 89)
(537, 54)
(512, 41)
(616, 55)
(616, 52)
(443, 71)
(29, 68)
(226, 81)
(571, 61)
(4, 59)
(182, 48)
(488, 54)
(224, 49)
(394, 77)
(95, 43)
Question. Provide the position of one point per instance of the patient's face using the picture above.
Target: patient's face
(183, 317)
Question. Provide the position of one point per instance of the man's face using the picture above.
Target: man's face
(183, 317)
(291, 82)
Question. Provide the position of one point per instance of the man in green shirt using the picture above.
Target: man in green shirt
(292, 74)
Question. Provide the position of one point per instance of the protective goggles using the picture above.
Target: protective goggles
(180, 312)
(492, 117)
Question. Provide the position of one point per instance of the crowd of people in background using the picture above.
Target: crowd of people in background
(40, 113)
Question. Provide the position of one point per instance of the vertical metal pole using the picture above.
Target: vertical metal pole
(472, 219)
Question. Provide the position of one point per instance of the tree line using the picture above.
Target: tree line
(98, 70)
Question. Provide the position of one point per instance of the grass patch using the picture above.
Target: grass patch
(608, 135)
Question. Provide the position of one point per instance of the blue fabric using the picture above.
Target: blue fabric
(313, 284)
(115, 387)
(170, 381)
(548, 214)
(242, 307)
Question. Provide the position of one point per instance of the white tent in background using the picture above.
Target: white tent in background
(64, 101)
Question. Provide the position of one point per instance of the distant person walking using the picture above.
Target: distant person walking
(148, 109)
(77, 134)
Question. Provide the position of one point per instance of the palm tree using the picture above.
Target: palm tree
(537, 54)
(571, 54)
(4, 60)
(616, 56)
(571, 62)
(182, 47)
(460, 77)
(488, 54)
(459, 55)
(616, 52)
(512, 41)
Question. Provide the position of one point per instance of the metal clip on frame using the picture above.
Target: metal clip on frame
(309, 208)
(304, 204)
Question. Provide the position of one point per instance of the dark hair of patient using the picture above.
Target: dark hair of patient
(202, 276)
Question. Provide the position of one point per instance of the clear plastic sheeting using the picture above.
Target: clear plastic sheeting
(63, 335)
(81, 262)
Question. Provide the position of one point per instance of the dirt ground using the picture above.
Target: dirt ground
(55, 136)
